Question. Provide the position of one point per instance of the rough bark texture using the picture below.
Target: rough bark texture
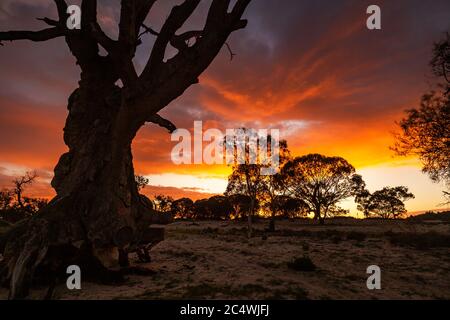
(97, 207)
(98, 215)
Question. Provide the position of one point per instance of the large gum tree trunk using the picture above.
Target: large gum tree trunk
(95, 179)
(97, 212)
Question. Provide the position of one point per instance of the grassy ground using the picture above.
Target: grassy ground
(214, 260)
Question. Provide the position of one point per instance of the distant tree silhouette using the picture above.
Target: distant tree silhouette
(247, 179)
(8, 208)
(321, 183)
(214, 208)
(220, 207)
(183, 208)
(241, 206)
(163, 203)
(247, 176)
(97, 200)
(14, 206)
(6, 198)
(141, 182)
(201, 209)
(34, 205)
(290, 207)
(274, 185)
(20, 184)
(385, 203)
(425, 131)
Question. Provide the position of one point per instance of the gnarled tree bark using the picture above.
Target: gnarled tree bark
(98, 213)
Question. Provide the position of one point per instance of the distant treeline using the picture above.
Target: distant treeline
(308, 186)
(431, 216)
(221, 207)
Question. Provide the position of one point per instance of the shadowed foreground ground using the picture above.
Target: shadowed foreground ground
(215, 260)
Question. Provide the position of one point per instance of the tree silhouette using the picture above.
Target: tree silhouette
(6, 198)
(246, 179)
(97, 199)
(425, 131)
(141, 182)
(321, 183)
(183, 208)
(163, 203)
(20, 184)
(274, 185)
(14, 206)
(290, 207)
(220, 207)
(240, 204)
(440, 63)
(385, 203)
(213, 208)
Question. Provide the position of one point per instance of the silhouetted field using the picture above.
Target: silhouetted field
(301, 260)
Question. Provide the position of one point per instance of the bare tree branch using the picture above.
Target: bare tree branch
(42, 35)
(239, 8)
(88, 13)
(143, 8)
(122, 59)
(127, 27)
(49, 21)
(20, 183)
(147, 30)
(105, 41)
(186, 66)
(217, 13)
(82, 43)
(61, 6)
(175, 21)
(132, 16)
(157, 119)
(232, 54)
(180, 42)
(183, 69)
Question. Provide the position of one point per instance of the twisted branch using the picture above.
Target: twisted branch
(157, 119)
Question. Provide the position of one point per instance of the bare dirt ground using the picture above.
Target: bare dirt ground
(214, 260)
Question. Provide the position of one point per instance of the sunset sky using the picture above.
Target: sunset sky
(309, 68)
